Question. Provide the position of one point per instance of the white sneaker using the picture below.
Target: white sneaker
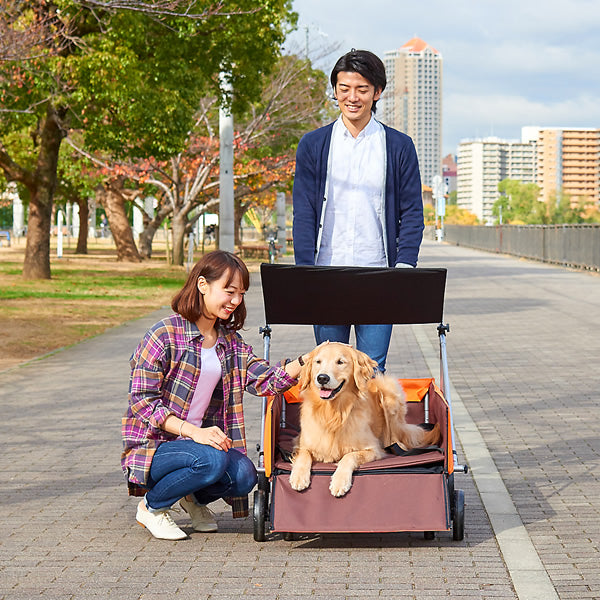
(160, 524)
(202, 517)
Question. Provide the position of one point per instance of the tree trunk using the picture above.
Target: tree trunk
(84, 215)
(151, 226)
(239, 211)
(146, 238)
(113, 203)
(37, 250)
(178, 223)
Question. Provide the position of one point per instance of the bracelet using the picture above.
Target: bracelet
(300, 360)
(181, 428)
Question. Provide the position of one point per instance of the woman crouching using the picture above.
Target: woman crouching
(183, 433)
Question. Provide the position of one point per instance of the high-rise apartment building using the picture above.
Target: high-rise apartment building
(483, 164)
(412, 101)
(568, 159)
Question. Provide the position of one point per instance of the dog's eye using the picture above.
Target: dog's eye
(340, 361)
(318, 361)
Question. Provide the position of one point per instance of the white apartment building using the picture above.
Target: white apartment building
(412, 101)
(522, 164)
(482, 164)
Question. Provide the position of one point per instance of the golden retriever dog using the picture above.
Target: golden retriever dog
(348, 416)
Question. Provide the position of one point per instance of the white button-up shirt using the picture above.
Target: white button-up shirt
(353, 221)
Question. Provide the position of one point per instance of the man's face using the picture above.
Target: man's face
(355, 96)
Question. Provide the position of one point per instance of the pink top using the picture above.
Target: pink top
(210, 375)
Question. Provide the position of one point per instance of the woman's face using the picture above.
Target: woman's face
(220, 298)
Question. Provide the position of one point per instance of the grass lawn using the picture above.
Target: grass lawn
(86, 295)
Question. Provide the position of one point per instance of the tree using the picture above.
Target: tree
(590, 211)
(126, 74)
(454, 215)
(520, 204)
(292, 101)
(459, 216)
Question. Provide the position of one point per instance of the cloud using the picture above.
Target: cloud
(510, 57)
(473, 116)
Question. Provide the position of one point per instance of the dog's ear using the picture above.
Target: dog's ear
(305, 372)
(364, 368)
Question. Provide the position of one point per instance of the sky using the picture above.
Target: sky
(506, 64)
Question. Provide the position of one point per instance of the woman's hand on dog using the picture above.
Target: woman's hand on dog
(294, 367)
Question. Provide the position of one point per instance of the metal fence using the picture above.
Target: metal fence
(569, 245)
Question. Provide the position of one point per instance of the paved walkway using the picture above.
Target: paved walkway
(523, 352)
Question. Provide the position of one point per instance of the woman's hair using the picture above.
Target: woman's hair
(189, 302)
(364, 63)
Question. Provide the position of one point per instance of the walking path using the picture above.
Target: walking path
(523, 351)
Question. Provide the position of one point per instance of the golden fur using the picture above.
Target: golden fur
(348, 416)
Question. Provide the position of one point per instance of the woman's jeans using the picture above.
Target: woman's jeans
(373, 340)
(183, 467)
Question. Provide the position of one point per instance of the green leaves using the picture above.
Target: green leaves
(521, 204)
(132, 81)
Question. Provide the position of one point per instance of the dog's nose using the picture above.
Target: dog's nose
(322, 379)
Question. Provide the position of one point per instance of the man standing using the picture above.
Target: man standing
(357, 192)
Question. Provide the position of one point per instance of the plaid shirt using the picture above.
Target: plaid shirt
(164, 371)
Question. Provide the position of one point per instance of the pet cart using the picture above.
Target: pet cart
(410, 491)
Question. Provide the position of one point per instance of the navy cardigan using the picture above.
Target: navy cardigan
(403, 199)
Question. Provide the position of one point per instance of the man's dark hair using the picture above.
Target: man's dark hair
(364, 63)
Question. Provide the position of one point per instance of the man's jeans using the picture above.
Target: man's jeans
(373, 340)
(183, 467)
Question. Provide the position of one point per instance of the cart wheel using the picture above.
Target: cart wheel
(259, 513)
(288, 536)
(263, 483)
(451, 486)
(458, 518)
(429, 535)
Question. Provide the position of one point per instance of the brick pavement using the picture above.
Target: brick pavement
(523, 354)
(521, 351)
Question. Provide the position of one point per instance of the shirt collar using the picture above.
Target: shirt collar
(370, 128)
(192, 332)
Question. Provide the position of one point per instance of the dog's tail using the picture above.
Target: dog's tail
(413, 436)
(433, 437)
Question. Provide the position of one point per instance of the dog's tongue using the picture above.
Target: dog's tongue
(324, 393)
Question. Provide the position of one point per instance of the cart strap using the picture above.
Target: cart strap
(399, 451)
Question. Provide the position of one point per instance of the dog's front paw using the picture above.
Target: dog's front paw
(299, 479)
(340, 483)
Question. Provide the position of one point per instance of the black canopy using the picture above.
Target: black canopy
(307, 295)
